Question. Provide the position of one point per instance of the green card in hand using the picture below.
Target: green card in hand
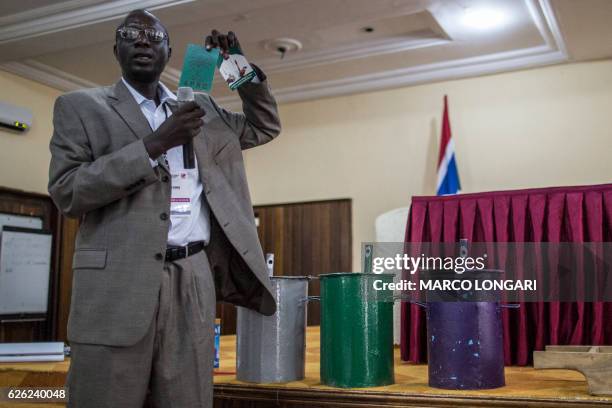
(199, 68)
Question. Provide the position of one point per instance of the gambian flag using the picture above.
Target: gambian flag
(448, 176)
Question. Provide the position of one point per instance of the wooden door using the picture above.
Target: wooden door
(308, 238)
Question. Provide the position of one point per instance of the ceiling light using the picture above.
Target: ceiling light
(283, 46)
(483, 18)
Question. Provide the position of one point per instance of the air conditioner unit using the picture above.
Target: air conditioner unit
(14, 117)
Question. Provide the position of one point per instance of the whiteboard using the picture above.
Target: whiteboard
(20, 221)
(25, 265)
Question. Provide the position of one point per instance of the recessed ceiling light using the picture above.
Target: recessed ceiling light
(368, 29)
(484, 18)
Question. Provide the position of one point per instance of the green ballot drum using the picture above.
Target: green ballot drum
(356, 330)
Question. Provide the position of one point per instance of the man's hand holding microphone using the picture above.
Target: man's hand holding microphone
(179, 129)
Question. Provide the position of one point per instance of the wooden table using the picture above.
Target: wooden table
(525, 387)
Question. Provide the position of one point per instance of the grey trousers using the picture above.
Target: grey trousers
(171, 366)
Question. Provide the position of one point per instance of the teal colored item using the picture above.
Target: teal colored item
(356, 330)
(217, 341)
(199, 68)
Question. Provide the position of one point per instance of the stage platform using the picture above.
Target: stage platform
(525, 387)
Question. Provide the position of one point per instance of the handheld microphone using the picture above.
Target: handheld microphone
(185, 94)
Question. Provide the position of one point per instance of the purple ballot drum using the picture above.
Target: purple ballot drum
(465, 345)
(465, 336)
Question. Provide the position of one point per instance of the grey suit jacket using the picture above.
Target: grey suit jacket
(100, 171)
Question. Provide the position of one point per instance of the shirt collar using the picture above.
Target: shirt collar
(165, 93)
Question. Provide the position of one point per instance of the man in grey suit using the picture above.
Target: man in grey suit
(158, 244)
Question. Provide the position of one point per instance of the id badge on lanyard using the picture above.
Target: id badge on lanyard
(182, 192)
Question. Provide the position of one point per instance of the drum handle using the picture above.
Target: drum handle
(309, 298)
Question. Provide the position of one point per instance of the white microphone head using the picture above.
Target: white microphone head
(184, 94)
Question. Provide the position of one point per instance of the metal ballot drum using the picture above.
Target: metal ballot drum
(465, 345)
(356, 330)
(465, 335)
(271, 349)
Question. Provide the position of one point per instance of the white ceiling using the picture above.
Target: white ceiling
(68, 44)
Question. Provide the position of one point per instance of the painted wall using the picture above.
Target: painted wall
(541, 127)
(24, 157)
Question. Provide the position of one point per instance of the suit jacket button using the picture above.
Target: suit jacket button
(165, 179)
(163, 216)
(159, 256)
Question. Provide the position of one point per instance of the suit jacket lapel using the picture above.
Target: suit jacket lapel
(124, 104)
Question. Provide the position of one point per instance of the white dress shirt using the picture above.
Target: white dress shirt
(189, 213)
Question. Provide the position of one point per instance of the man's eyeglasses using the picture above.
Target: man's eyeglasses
(132, 34)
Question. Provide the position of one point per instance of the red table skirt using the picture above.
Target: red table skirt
(559, 214)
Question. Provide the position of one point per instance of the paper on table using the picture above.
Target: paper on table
(27, 359)
(39, 351)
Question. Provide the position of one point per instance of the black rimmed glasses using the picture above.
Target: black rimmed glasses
(132, 34)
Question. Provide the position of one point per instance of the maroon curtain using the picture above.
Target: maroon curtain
(561, 214)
